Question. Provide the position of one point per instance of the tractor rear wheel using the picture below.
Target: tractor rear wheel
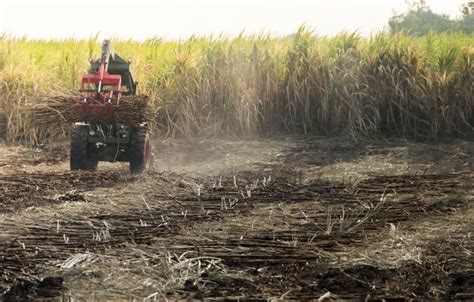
(139, 150)
(92, 160)
(83, 155)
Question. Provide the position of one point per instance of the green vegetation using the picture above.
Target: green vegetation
(420, 20)
(419, 87)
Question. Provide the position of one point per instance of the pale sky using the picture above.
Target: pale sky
(182, 18)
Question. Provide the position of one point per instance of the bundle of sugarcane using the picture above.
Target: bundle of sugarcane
(59, 110)
(134, 110)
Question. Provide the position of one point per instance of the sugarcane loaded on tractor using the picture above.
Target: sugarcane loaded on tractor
(99, 137)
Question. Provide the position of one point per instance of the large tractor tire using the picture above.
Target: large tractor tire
(139, 151)
(83, 155)
(92, 160)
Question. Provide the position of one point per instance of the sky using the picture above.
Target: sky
(179, 19)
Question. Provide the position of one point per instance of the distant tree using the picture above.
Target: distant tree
(466, 23)
(420, 20)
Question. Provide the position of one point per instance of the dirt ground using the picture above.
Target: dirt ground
(283, 218)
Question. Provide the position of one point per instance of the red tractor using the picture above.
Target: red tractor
(98, 137)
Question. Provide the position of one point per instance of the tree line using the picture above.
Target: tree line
(420, 20)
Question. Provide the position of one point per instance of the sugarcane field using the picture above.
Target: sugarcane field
(329, 161)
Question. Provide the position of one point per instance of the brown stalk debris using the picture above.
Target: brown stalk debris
(233, 234)
(23, 190)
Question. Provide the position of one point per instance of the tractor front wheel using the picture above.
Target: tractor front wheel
(83, 155)
(139, 151)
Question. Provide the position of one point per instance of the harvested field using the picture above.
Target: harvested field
(284, 218)
(291, 165)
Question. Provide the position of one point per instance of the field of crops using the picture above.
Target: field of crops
(252, 85)
(291, 168)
